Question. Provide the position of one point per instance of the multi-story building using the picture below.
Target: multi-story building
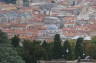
(19, 3)
(43, 21)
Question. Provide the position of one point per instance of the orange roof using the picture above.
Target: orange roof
(70, 23)
(69, 18)
(19, 25)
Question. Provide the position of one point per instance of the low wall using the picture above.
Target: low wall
(41, 61)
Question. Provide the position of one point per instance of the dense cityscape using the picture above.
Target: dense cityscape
(40, 20)
(40, 30)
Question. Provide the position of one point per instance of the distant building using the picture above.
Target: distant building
(50, 32)
(26, 3)
(19, 3)
(52, 20)
(38, 1)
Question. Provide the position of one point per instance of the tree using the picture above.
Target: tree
(89, 46)
(44, 44)
(33, 51)
(67, 53)
(79, 48)
(7, 53)
(57, 47)
(93, 40)
(3, 37)
(48, 49)
(15, 41)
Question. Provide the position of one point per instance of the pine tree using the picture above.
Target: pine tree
(57, 47)
(79, 49)
(7, 53)
(67, 52)
(15, 41)
(44, 44)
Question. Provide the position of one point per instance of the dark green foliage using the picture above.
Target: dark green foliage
(20, 52)
(67, 52)
(36, 50)
(3, 37)
(45, 45)
(33, 51)
(79, 48)
(15, 41)
(48, 47)
(93, 40)
(89, 46)
(7, 53)
(57, 47)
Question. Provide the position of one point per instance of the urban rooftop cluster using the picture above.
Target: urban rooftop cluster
(42, 19)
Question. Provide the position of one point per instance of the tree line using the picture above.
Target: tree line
(15, 50)
(32, 51)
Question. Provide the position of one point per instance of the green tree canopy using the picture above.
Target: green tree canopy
(57, 47)
(79, 48)
(15, 40)
(33, 51)
(44, 44)
(7, 53)
(67, 50)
